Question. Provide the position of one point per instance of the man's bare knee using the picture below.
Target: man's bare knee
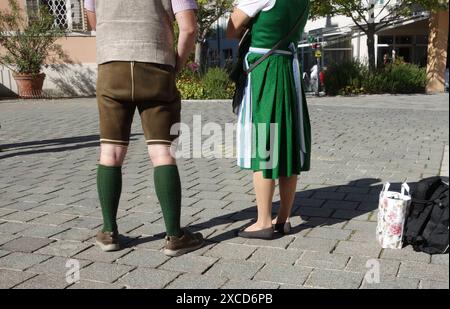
(112, 155)
(160, 155)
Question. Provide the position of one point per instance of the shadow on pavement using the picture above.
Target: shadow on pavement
(51, 145)
(340, 204)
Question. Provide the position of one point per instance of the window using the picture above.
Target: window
(385, 39)
(69, 14)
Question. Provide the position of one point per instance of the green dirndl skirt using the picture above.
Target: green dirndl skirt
(274, 131)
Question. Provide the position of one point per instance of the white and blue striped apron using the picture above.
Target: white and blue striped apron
(244, 140)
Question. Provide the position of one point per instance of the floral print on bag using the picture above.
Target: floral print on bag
(392, 211)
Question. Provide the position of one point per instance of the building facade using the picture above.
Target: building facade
(339, 37)
(76, 77)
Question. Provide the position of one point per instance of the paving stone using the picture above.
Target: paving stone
(313, 244)
(10, 278)
(235, 269)
(392, 283)
(94, 253)
(323, 260)
(328, 222)
(75, 234)
(4, 238)
(423, 271)
(249, 285)
(431, 284)
(330, 279)
(329, 233)
(64, 248)
(231, 251)
(361, 226)
(406, 254)
(21, 261)
(44, 282)
(196, 281)
(13, 227)
(148, 278)
(104, 272)
(84, 223)
(22, 216)
(209, 203)
(388, 268)
(240, 197)
(56, 266)
(43, 231)
(26, 244)
(143, 258)
(351, 215)
(314, 212)
(283, 274)
(441, 259)
(358, 248)
(339, 197)
(92, 285)
(4, 252)
(53, 219)
(189, 263)
(276, 255)
(281, 242)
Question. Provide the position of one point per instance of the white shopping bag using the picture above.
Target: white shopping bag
(392, 211)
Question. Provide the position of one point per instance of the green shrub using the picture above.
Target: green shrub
(344, 78)
(397, 78)
(189, 84)
(217, 84)
(214, 85)
(353, 78)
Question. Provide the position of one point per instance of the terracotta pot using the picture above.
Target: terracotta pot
(29, 85)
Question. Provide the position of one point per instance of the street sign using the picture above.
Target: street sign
(318, 54)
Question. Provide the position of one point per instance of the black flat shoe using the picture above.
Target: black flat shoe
(283, 228)
(261, 234)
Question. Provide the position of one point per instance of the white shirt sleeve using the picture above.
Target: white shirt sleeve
(252, 7)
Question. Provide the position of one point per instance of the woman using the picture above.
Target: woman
(274, 136)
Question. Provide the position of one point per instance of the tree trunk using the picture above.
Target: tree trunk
(198, 52)
(437, 52)
(371, 45)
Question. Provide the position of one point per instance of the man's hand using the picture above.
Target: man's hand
(187, 23)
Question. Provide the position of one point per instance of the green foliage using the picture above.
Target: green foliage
(217, 84)
(209, 11)
(353, 78)
(213, 85)
(396, 78)
(189, 84)
(28, 42)
(344, 78)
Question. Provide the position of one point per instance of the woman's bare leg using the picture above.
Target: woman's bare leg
(264, 189)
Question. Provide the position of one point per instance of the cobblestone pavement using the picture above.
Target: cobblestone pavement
(49, 211)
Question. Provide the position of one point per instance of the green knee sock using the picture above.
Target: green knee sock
(109, 186)
(168, 191)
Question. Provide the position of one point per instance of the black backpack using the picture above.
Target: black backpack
(426, 227)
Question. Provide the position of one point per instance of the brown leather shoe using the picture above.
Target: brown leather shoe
(108, 241)
(176, 246)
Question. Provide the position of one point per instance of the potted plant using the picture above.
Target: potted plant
(27, 43)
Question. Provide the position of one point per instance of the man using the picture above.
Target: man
(314, 76)
(137, 68)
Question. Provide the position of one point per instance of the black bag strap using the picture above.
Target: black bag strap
(279, 43)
